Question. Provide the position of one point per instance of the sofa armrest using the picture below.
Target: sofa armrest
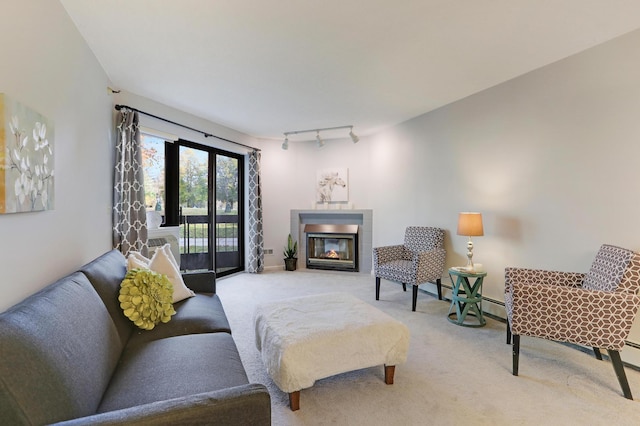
(200, 282)
(240, 405)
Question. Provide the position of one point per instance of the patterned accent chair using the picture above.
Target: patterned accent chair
(596, 309)
(419, 260)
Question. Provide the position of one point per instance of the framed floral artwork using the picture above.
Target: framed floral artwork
(26, 158)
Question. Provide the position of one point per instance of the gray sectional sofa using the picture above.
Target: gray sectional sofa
(69, 355)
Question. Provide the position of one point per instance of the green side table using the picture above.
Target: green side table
(466, 298)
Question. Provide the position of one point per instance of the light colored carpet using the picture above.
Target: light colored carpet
(453, 375)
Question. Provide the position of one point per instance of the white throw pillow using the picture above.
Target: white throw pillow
(136, 260)
(162, 262)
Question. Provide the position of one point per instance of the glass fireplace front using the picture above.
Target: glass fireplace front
(332, 247)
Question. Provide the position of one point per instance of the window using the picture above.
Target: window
(153, 159)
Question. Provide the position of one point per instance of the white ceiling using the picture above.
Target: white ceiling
(265, 67)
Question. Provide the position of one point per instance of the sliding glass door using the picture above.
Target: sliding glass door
(206, 201)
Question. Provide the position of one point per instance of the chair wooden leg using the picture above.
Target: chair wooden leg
(377, 288)
(439, 287)
(294, 400)
(596, 352)
(516, 353)
(404, 286)
(619, 369)
(389, 371)
(415, 298)
(508, 332)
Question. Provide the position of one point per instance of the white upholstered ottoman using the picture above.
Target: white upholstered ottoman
(305, 339)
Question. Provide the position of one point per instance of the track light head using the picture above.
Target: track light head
(285, 144)
(320, 141)
(354, 137)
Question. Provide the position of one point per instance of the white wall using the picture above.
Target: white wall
(549, 158)
(47, 66)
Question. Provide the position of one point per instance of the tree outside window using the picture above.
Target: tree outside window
(226, 184)
(193, 179)
(154, 172)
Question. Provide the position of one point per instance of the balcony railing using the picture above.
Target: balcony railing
(194, 242)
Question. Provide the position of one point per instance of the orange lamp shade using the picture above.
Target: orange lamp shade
(470, 224)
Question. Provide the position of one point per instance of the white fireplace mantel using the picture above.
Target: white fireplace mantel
(361, 217)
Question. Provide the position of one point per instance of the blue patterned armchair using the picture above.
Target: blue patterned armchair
(419, 260)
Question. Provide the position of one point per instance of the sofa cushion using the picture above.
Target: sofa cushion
(106, 273)
(202, 313)
(174, 367)
(66, 347)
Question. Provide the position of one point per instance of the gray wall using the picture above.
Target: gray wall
(47, 66)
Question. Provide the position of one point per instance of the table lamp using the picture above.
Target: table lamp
(470, 225)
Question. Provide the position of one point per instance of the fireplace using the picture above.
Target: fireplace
(363, 218)
(332, 247)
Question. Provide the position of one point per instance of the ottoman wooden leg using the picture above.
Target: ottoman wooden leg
(389, 370)
(294, 400)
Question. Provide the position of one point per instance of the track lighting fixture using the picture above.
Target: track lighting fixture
(354, 137)
(319, 140)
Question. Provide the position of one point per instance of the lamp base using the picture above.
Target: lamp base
(469, 265)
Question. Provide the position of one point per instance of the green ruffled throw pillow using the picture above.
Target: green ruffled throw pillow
(146, 298)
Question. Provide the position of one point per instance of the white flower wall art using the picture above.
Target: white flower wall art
(26, 159)
(332, 185)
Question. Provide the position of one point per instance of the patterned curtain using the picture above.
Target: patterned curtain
(256, 235)
(129, 213)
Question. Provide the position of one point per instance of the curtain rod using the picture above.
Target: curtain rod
(206, 135)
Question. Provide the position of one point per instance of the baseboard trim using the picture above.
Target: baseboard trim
(274, 268)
